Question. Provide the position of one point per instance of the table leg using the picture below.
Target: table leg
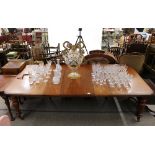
(140, 107)
(6, 99)
(15, 102)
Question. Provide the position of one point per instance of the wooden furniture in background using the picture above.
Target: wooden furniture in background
(152, 39)
(3, 58)
(13, 67)
(23, 51)
(136, 47)
(135, 61)
(150, 58)
(116, 51)
(99, 57)
(51, 53)
(96, 51)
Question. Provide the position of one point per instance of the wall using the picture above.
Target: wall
(91, 35)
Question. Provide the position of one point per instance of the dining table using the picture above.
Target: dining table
(83, 86)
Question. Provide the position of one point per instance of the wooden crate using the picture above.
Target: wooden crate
(13, 67)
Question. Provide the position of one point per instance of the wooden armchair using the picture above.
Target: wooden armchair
(136, 47)
(18, 51)
(136, 61)
(116, 51)
(96, 51)
(99, 58)
(51, 53)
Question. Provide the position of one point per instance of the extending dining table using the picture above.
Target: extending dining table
(81, 87)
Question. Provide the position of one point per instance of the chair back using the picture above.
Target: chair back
(136, 47)
(150, 56)
(150, 48)
(135, 61)
(96, 51)
(152, 38)
(116, 51)
(51, 52)
(99, 58)
(137, 38)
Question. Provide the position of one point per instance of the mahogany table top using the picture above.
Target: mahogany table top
(4, 81)
(77, 87)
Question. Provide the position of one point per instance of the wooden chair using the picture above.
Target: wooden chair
(135, 61)
(51, 53)
(96, 51)
(150, 58)
(136, 47)
(99, 58)
(116, 51)
(152, 39)
(137, 37)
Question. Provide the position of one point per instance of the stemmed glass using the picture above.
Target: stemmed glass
(112, 75)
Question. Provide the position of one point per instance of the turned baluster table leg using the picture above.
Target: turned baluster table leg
(140, 107)
(15, 102)
(6, 99)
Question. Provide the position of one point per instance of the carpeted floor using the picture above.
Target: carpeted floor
(79, 112)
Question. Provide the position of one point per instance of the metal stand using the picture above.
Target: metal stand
(80, 39)
(124, 48)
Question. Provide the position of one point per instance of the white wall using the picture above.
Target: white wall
(91, 35)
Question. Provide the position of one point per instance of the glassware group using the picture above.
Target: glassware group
(111, 75)
(42, 73)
